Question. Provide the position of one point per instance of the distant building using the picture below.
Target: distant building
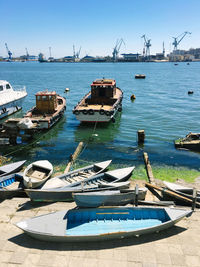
(131, 57)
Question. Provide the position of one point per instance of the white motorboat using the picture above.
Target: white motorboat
(10, 100)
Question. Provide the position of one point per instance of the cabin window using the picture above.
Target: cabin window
(44, 97)
(1, 87)
(7, 86)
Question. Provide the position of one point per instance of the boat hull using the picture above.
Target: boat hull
(82, 225)
(11, 107)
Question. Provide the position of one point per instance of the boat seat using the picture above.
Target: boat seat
(38, 175)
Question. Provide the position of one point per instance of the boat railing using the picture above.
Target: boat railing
(19, 88)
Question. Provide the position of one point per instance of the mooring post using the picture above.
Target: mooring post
(74, 156)
(194, 198)
(136, 195)
(141, 136)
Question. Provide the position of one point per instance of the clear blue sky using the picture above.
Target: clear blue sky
(95, 25)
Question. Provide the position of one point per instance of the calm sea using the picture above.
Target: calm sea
(162, 108)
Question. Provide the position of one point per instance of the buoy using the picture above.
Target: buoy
(133, 97)
(66, 89)
(190, 92)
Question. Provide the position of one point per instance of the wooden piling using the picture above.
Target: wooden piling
(74, 156)
(194, 198)
(136, 195)
(148, 168)
(141, 136)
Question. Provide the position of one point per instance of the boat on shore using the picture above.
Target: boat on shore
(108, 198)
(49, 109)
(74, 176)
(10, 100)
(11, 168)
(104, 181)
(37, 173)
(101, 104)
(96, 224)
(191, 142)
(182, 190)
(12, 186)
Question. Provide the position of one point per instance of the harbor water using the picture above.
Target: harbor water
(162, 108)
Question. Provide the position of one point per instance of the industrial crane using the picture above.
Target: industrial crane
(76, 54)
(178, 39)
(27, 54)
(9, 52)
(147, 45)
(117, 48)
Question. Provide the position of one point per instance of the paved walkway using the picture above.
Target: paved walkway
(178, 246)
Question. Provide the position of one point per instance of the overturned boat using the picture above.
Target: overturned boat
(96, 224)
(108, 198)
(101, 104)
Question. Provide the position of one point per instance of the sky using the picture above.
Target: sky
(96, 25)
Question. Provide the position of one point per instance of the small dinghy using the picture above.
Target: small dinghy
(107, 198)
(182, 190)
(11, 167)
(11, 186)
(37, 173)
(108, 180)
(95, 224)
(77, 175)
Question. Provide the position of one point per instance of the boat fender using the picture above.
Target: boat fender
(85, 111)
(107, 113)
(101, 111)
(91, 112)
(120, 109)
(76, 112)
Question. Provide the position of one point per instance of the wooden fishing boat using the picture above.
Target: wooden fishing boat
(108, 180)
(77, 175)
(182, 190)
(101, 104)
(37, 173)
(191, 142)
(11, 186)
(95, 224)
(11, 167)
(49, 109)
(140, 76)
(107, 198)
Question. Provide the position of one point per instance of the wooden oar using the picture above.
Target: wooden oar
(172, 194)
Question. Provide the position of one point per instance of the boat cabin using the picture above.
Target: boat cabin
(4, 86)
(46, 102)
(102, 91)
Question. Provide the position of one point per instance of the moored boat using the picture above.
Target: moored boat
(10, 100)
(191, 142)
(74, 176)
(104, 181)
(11, 168)
(49, 109)
(107, 198)
(96, 224)
(101, 104)
(37, 173)
(140, 76)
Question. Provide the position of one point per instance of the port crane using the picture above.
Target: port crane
(117, 48)
(76, 54)
(147, 44)
(178, 39)
(9, 52)
(27, 54)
